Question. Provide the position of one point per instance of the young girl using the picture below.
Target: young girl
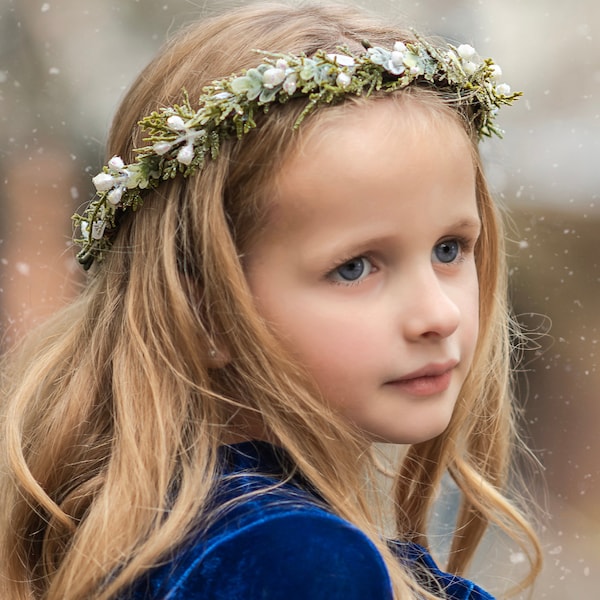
(304, 261)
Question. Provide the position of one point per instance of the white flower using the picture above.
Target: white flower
(114, 196)
(161, 148)
(395, 62)
(290, 83)
(341, 59)
(466, 52)
(503, 89)
(103, 182)
(85, 230)
(282, 64)
(469, 67)
(399, 47)
(343, 80)
(176, 123)
(116, 163)
(273, 77)
(495, 72)
(394, 69)
(186, 154)
(98, 228)
(397, 58)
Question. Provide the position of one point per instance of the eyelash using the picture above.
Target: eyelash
(465, 248)
(467, 244)
(330, 275)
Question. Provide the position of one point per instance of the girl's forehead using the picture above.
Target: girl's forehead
(397, 154)
(366, 122)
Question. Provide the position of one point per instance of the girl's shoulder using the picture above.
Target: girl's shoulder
(269, 539)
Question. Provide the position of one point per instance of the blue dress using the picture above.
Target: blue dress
(282, 544)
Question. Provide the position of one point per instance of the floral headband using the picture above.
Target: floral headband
(180, 139)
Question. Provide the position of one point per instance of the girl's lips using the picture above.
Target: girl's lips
(430, 380)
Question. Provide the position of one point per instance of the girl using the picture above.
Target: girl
(302, 262)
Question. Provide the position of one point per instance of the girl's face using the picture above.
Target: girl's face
(366, 267)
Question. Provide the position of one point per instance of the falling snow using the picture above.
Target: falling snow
(517, 558)
(22, 268)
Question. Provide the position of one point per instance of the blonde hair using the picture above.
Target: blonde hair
(114, 405)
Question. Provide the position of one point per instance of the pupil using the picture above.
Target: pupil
(447, 251)
(352, 270)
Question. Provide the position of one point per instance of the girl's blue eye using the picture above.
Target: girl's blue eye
(447, 251)
(352, 270)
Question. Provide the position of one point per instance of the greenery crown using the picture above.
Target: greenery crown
(181, 139)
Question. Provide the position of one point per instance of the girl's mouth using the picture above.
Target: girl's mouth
(428, 381)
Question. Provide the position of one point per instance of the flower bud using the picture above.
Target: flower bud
(273, 77)
(469, 67)
(495, 72)
(397, 58)
(85, 230)
(466, 52)
(186, 154)
(290, 83)
(98, 228)
(503, 89)
(103, 182)
(176, 123)
(116, 163)
(343, 80)
(114, 196)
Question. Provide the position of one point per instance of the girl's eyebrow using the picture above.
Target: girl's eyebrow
(468, 223)
(471, 224)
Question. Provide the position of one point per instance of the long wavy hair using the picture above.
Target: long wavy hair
(113, 411)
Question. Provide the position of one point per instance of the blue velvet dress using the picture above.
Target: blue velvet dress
(282, 544)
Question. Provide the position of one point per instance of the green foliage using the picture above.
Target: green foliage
(180, 139)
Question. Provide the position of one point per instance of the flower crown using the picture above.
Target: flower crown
(181, 139)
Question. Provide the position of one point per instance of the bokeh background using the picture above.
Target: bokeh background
(64, 65)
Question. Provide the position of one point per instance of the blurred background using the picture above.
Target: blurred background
(64, 65)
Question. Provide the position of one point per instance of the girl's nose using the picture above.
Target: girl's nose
(432, 312)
